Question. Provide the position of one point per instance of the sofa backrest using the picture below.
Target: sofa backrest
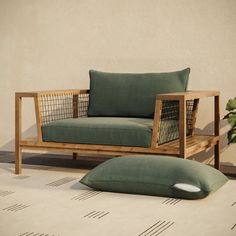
(131, 95)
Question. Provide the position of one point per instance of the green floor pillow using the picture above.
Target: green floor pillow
(155, 175)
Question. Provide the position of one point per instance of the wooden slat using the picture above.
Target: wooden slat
(85, 151)
(38, 117)
(59, 92)
(63, 146)
(201, 145)
(26, 94)
(189, 95)
(194, 115)
(75, 105)
(75, 115)
(156, 123)
(194, 144)
(217, 131)
(51, 92)
(18, 127)
(182, 127)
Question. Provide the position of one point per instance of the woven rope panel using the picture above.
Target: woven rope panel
(63, 106)
(189, 116)
(169, 125)
(83, 102)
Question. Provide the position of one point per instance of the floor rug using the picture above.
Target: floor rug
(49, 201)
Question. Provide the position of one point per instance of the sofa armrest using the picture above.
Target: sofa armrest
(183, 107)
(62, 104)
(51, 106)
(51, 92)
(188, 95)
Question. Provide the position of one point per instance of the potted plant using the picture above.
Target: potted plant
(231, 118)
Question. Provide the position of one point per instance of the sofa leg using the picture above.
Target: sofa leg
(217, 155)
(75, 155)
(18, 161)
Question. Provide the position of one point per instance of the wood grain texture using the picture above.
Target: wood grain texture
(75, 105)
(194, 115)
(156, 123)
(182, 127)
(18, 124)
(38, 117)
(189, 95)
(194, 144)
(217, 131)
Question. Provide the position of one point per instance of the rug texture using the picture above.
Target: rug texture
(47, 201)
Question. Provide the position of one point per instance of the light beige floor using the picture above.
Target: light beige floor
(50, 201)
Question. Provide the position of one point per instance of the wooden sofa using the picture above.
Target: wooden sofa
(186, 145)
(67, 121)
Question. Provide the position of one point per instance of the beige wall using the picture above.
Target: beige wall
(51, 44)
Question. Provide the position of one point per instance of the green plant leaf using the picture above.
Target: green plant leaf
(232, 120)
(231, 104)
(230, 113)
(232, 135)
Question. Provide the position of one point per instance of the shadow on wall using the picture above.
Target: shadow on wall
(30, 132)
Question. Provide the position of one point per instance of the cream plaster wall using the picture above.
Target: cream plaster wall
(51, 44)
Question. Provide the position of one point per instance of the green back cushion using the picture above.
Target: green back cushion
(132, 95)
(155, 175)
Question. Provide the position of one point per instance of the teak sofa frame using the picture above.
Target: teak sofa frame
(186, 145)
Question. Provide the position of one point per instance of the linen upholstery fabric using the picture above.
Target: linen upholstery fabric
(100, 130)
(107, 131)
(154, 175)
(131, 95)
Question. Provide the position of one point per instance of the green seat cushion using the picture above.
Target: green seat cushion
(155, 175)
(131, 95)
(100, 130)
